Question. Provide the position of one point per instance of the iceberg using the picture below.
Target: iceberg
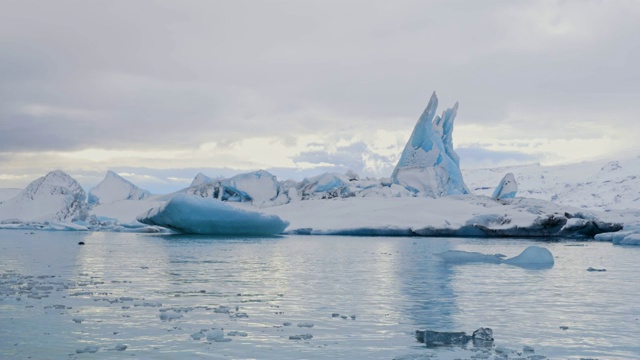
(507, 189)
(113, 188)
(428, 165)
(197, 215)
(258, 187)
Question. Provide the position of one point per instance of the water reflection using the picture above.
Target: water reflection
(426, 284)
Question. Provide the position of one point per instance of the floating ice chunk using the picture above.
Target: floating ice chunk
(87, 349)
(169, 316)
(197, 215)
(305, 325)
(237, 333)
(533, 257)
(78, 320)
(121, 347)
(507, 189)
(217, 335)
(590, 269)
(197, 336)
(301, 337)
(436, 338)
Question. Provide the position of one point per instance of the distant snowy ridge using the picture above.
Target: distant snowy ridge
(53, 197)
(113, 188)
(594, 185)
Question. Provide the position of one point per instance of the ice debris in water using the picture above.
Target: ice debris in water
(217, 335)
(301, 337)
(595, 270)
(305, 325)
(87, 349)
(169, 316)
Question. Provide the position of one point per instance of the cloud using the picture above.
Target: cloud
(479, 157)
(162, 76)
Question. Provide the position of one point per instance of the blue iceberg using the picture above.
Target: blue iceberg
(192, 214)
(428, 165)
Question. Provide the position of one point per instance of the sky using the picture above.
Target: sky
(161, 90)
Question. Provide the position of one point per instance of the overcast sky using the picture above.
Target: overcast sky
(160, 90)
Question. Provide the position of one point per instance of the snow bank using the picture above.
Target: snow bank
(467, 215)
(533, 257)
(197, 215)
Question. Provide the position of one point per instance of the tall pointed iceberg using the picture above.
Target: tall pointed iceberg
(429, 166)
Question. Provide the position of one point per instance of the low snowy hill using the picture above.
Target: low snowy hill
(595, 185)
(113, 188)
(53, 197)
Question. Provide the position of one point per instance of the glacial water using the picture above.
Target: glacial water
(364, 296)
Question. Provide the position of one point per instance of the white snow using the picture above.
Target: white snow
(464, 215)
(594, 185)
(197, 215)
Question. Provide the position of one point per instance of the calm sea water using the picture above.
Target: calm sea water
(153, 292)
